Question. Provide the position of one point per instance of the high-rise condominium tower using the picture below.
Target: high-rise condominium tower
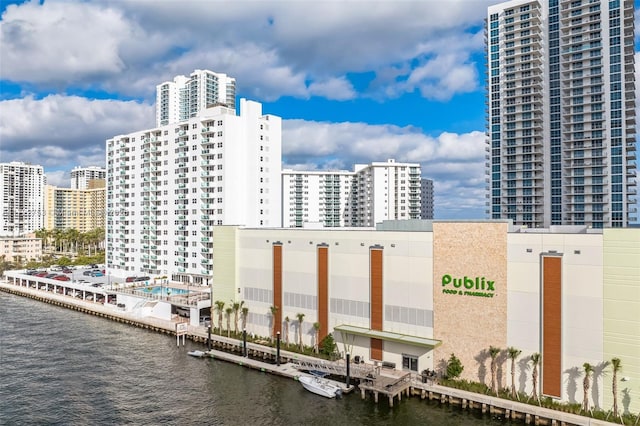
(80, 176)
(186, 97)
(561, 112)
(426, 198)
(79, 209)
(168, 186)
(21, 198)
(368, 195)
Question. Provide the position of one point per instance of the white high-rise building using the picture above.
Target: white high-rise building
(80, 176)
(561, 123)
(168, 186)
(320, 198)
(21, 198)
(368, 195)
(186, 97)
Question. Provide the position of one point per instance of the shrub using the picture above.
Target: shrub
(328, 345)
(454, 367)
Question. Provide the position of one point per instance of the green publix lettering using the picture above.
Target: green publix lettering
(479, 284)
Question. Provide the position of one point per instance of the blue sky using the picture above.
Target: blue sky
(354, 82)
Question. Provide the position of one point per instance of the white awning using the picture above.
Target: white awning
(389, 336)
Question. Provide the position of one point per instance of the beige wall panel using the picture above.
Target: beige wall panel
(468, 325)
(224, 263)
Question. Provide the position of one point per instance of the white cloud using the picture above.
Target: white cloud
(454, 161)
(59, 178)
(333, 88)
(59, 44)
(66, 130)
(274, 49)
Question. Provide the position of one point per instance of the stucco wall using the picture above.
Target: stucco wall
(581, 320)
(468, 325)
(622, 315)
(407, 277)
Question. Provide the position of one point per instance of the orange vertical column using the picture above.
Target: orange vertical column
(552, 326)
(323, 290)
(375, 277)
(277, 285)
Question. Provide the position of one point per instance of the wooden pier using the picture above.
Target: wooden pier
(390, 383)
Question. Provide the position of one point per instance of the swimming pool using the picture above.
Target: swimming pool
(164, 291)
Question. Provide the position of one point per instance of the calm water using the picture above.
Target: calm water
(61, 367)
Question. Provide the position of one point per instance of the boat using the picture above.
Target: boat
(197, 354)
(320, 386)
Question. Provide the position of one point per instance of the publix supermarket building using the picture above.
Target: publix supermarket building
(411, 293)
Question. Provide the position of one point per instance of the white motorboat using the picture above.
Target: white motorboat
(320, 386)
(197, 354)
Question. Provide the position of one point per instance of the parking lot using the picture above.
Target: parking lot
(78, 275)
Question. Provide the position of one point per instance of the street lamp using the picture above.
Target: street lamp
(210, 314)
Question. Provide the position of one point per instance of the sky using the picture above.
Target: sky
(354, 81)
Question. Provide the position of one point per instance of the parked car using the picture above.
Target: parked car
(142, 278)
(41, 274)
(130, 279)
(67, 271)
(87, 273)
(51, 275)
(96, 274)
(93, 266)
(62, 278)
(55, 268)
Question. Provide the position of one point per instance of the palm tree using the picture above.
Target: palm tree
(586, 384)
(493, 353)
(57, 238)
(274, 311)
(73, 236)
(616, 365)
(286, 329)
(300, 318)
(316, 329)
(535, 360)
(236, 307)
(4, 264)
(513, 354)
(220, 308)
(229, 311)
(245, 314)
(44, 235)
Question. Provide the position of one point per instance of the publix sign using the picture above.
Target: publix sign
(466, 286)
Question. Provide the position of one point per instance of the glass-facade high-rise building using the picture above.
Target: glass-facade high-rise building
(561, 119)
(186, 97)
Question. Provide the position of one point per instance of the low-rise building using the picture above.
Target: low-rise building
(411, 293)
(20, 249)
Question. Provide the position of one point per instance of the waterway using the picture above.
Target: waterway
(62, 367)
